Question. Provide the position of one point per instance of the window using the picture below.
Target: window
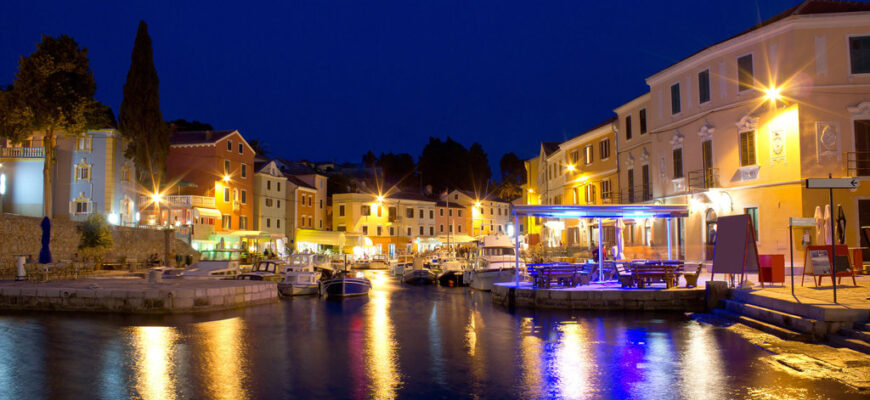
(244, 171)
(321, 203)
(226, 221)
(320, 224)
(125, 174)
(341, 228)
(81, 207)
(421, 231)
(268, 202)
(268, 185)
(575, 197)
(241, 149)
(391, 213)
(229, 145)
(859, 54)
(630, 176)
(587, 154)
(341, 210)
(675, 99)
(365, 229)
(409, 212)
(380, 230)
(605, 189)
(409, 231)
(392, 231)
(744, 73)
(244, 196)
(449, 213)
(268, 223)
(420, 213)
(459, 228)
(379, 211)
(704, 86)
(459, 213)
(226, 195)
(226, 167)
(678, 163)
(575, 156)
(278, 223)
(365, 210)
(431, 231)
(432, 214)
(441, 228)
(83, 172)
(643, 121)
(628, 127)
(279, 203)
(747, 148)
(84, 143)
(278, 186)
(450, 228)
(235, 194)
(590, 194)
(309, 222)
(604, 149)
(752, 212)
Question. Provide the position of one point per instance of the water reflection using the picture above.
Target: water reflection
(155, 372)
(223, 354)
(381, 359)
(573, 361)
(702, 372)
(530, 356)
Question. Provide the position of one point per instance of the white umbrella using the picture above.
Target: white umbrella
(828, 222)
(620, 226)
(820, 225)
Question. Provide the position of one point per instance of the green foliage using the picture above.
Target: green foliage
(508, 190)
(259, 147)
(449, 165)
(397, 168)
(11, 125)
(512, 169)
(140, 119)
(96, 234)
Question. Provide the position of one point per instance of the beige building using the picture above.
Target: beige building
(738, 126)
(484, 214)
(270, 203)
(397, 223)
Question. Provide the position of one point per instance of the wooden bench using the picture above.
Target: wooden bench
(564, 274)
(649, 272)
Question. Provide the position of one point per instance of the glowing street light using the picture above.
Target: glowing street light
(380, 198)
(156, 197)
(571, 168)
(772, 93)
(226, 178)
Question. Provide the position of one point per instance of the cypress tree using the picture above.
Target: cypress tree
(140, 119)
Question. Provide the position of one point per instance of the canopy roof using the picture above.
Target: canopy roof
(604, 211)
(328, 238)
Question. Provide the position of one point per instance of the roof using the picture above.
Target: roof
(549, 147)
(605, 123)
(298, 182)
(199, 137)
(808, 7)
(605, 211)
(452, 204)
(409, 196)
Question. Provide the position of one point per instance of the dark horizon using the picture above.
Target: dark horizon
(386, 77)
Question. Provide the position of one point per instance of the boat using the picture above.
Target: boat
(418, 274)
(303, 274)
(360, 264)
(264, 270)
(452, 272)
(496, 262)
(214, 264)
(397, 266)
(379, 261)
(346, 284)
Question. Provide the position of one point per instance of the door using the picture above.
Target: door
(707, 160)
(862, 147)
(864, 220)
(711, 221)
(644, 173)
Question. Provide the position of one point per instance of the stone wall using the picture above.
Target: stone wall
(22, 235)
(681, 300)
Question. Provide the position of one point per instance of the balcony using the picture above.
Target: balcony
(184, 201)
(703, 179)
(857, 163)
(22, 152)
(636, 194)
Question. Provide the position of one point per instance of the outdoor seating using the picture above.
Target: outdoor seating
(563, 274)
(692, 279)
(625, 277)
(647, 272)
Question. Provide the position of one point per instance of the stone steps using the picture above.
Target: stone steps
(777, 331)
(812, 329)
(852, 343)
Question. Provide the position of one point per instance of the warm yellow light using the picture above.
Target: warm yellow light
(571, 167)
(380, 198)
(477, 204)
(772, 93)
(156, 197)
(226, 178)
(531, 191)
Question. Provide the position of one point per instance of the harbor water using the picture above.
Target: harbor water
(400, 342)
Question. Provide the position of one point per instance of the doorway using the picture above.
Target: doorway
(862, 147)
(711, 225)
(864, 220)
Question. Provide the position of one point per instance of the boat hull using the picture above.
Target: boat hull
(418, 277)
(346, 287)
(483, 279)
(452, 278)
(292, 289)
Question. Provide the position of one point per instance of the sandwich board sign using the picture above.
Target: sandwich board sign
(735, 251)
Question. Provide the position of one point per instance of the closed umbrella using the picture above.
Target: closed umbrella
(841, 224)
(828, 222)
(45, 251)
(820, 225)
(620, 226)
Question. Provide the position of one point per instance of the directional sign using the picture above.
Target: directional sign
(808, 222)
(832, 183)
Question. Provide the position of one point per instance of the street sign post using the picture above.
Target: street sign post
(830, 183)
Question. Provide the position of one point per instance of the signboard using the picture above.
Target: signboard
(735, 251)
(819, 263)
(832, 183)
(802, 222)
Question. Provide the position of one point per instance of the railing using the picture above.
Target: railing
(183, 201)
(22, 152)
(703, 179)
(857, 163)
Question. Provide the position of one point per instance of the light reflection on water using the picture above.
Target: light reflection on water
(401, 342)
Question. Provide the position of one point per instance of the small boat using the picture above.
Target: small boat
(418, 274)
(264, 270)
(397, 266)
(214, 264)
(452, 274)
(379, 261)
(361, 264)
(345, 284)
(303, 274)
(496, 263)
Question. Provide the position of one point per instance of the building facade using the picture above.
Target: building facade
(484, 214)
(396, 224)
(270, 202)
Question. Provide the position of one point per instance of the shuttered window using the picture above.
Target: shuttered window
(747, 148)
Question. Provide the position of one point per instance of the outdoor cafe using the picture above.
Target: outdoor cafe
(610, 267)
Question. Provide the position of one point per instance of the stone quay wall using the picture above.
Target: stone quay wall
(23, 235)
(135, 296)
(615, 299)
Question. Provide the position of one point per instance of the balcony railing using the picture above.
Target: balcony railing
(857, 163)
(703, 179)
(22, 152)
(182, 201)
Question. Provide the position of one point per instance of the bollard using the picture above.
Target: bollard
(155, 276)
(21, 274)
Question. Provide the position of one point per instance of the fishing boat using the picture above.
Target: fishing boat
(214, 264)
(452, 272)
(397, 266)
(496, 262)
(304, 273)
(264, 270)
(379, 261)
(345, 284)
(418, 274)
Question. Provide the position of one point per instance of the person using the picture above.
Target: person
(594, 252)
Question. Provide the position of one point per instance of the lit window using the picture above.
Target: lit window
(587, 154)
(747, 148)
(84, 143)
(83, 172)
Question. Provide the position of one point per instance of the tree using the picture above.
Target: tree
(478, 167)
(53, 93)
(444, 165)
(369, 159)
(508, 190)
(11, 126)
(141, 121)
(96, 237)
(397, 167)
(512, 169)
(184, 125)
(260, 147)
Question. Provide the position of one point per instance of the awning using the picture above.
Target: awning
(329, 238)
(356, 239)
(603, 211)
(206, 212)
(455, 239)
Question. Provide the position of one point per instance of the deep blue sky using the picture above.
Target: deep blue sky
(329, 80)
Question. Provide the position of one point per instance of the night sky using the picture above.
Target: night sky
(324, 80)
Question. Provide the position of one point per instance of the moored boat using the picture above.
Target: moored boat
(214, 264)
(417, 274)
(379, 261)
(345, 284)
(264, 270)
(304, 273)
(496, 262)
(397, 266)
(453, 271)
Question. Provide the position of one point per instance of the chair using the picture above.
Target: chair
(692, 279)
(625, 278)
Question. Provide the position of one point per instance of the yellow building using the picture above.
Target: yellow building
(397, 223)
(485, 214)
